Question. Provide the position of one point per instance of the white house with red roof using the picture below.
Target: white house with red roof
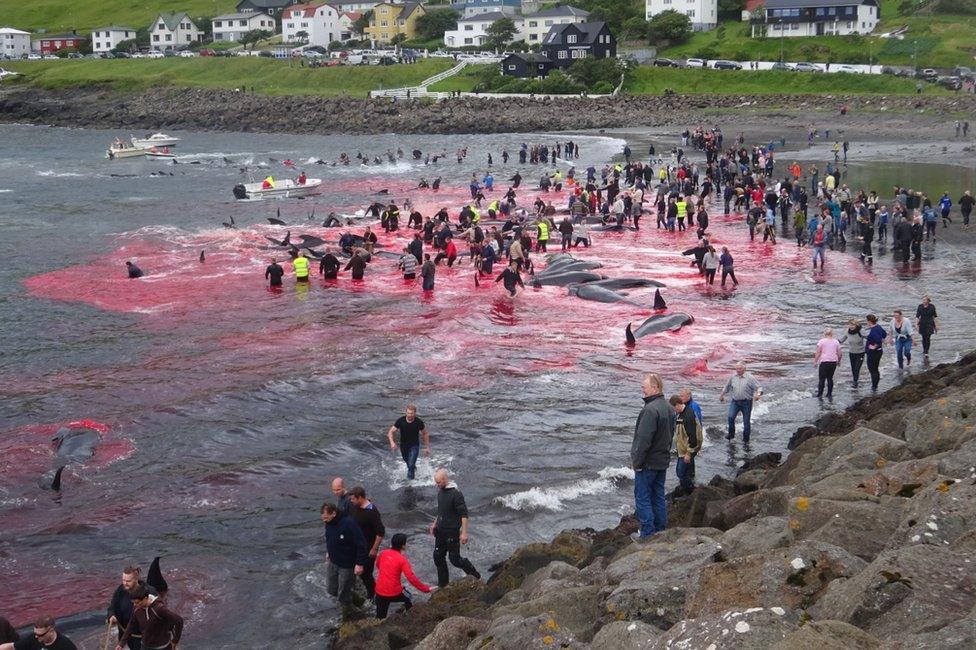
(318, 20)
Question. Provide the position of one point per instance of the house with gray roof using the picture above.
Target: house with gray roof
(788, 18)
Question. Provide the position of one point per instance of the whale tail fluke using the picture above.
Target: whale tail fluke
(659, 301)
(154, 578)
(630, 335)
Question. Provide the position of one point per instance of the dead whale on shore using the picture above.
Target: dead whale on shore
(591, 291)
(563, 279)
(627, 283)
(658, 323)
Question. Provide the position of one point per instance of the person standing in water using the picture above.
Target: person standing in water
(855, 347)
(926, 322)
(511, 277)
(133, 270)
(450, 529)
(300, 264)
(274, 273)
(411, 430)
(900, 332)
(826, 359)
(873, 349)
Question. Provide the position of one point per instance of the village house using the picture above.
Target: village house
(173, 31)
(703, 14)
(565, 44)
(232, 27)
(389, 20)
(51, 43)
(788, 18)
(471, 8)
(319, 21)
(273, 8)
(361, 6)
(472, 31)
(347, 25)
(105, 39)
(526, 65)
(533, 28)
(14, 43)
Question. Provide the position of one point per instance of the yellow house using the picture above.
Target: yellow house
(390, 19)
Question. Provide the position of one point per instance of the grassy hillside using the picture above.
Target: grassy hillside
(940, 41)
(85, 15)
(266, 76)
(652, 81)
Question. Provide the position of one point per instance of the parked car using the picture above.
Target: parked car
(34, 57)
(187, 54)
(963, 71)
(121, 55)
(666, 63)
(722, 64)
(843, 67)
(929, 74)
(156, 54)
(695, 63)
(779, 65)
(951, 82)
(806, 67)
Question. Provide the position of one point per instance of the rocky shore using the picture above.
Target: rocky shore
(221, 110)
(863, 538)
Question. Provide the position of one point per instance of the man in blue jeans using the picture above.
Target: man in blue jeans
(744, 389)
(650, 455)
(411, 429)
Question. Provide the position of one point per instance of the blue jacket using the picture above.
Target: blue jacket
(345, 543)
(876, 337)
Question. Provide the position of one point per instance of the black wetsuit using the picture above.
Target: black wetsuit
(329, 266)
(511, 279)
(135, 271)
(275, 273)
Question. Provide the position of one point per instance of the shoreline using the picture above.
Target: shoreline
(863, 532)
(218, 110)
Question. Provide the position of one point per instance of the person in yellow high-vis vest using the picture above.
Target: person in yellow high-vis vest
(300, 264)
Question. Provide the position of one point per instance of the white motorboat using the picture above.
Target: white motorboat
(119, 150)
(284, 188)
(155, 140)
(160, 153)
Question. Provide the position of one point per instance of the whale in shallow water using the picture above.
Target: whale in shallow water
(658, 323)
(627, 283)
(562, 279)
(71, 445)
(570, 265)
(591, 291)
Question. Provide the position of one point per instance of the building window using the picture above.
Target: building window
(511, 67)
(155, 38)
(571, 38)
(691, 13)
(579, 54)
(562, 54)
(169, 37)
(533, 23)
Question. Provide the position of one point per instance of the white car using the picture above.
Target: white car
(695, 63)
(845, 68)
(34, 57)
(51, 57)
(186, 54)
(156, 54)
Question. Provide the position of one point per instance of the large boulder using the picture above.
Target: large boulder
(922, 588)
(576, 609)
(518, 633)
(862, 527)
(828, 635)
(959, 634)
(570, 546)
(454, 632)
(940, 514)
(961, 462)
(793, 577)
(542, 580)
(761, 503)
(749, 629)
(625, 635)
(651, 584)
(755, 536)
(943, 424)
(861, 449)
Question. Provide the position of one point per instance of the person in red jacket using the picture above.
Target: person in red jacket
(390, 565)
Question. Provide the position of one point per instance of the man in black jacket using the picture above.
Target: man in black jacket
(650, 455)
(367, 516)
(450, 529)
(120, 609)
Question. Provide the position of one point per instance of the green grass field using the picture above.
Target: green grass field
(265, 76)
(86, 15)
(652, 81)
(940, 41)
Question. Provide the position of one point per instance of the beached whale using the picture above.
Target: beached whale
(627, 283)
(590, 291)
(658, 323)
(562, 279)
